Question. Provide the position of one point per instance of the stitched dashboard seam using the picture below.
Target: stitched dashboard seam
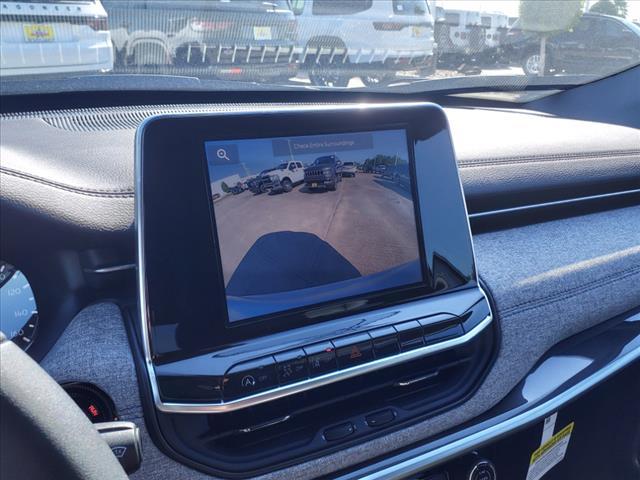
(106, 193)
(570, 293)
(126, 193)
(575, 289)
(569, 157)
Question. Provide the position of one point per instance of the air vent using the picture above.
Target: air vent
(122, 118)
(128, 118)
(97, 121)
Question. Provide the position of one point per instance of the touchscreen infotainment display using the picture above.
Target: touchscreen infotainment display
(312, 219)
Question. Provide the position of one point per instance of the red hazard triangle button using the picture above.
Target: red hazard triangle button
(353, 350)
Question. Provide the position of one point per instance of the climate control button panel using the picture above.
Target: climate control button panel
(252, 381)
(342, 353)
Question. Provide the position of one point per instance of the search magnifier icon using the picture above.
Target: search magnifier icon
(222, 154)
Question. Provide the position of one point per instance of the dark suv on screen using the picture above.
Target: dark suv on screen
(257, 184)
(324, 172)
(596, 44)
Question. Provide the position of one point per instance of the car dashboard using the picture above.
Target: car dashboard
(529, 314)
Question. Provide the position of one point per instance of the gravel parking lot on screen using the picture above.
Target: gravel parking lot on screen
(369, 220)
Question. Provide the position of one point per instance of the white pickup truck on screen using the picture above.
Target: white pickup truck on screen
(283, 178)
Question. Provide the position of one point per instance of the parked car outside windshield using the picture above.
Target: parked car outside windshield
(378, 45)
(250, 40)
(52, 38)
(597, 44)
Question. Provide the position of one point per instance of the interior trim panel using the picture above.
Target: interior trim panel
(416, 461)
(548, 296)
(327, 379)
(434, 327)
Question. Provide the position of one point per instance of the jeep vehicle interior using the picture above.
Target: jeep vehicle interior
(248, 243)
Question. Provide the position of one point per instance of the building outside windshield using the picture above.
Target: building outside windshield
(389, 45)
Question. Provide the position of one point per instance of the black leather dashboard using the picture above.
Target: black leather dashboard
(75, 168)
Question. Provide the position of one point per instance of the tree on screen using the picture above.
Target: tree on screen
(547, 18)
(379, 159)
(618, 8)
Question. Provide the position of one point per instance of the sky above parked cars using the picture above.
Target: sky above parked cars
(510, 7)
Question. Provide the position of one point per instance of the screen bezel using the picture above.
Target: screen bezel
(302, 310)
(186, 245)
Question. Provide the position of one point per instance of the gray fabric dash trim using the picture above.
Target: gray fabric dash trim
(550, 280)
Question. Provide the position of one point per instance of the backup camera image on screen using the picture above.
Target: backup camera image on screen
(310, 219)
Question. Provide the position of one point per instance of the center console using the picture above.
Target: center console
(306, 280)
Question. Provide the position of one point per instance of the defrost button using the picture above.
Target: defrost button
(291, 366)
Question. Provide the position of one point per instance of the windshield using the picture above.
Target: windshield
(377, 45)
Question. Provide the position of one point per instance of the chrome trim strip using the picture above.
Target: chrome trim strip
(421, 378)
(112, 269)
(467, 218)
(288, 389)
(320, 381)
(569, 201)
(425, 461)
(270, 423)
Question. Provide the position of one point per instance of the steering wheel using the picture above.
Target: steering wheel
(43, 433)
